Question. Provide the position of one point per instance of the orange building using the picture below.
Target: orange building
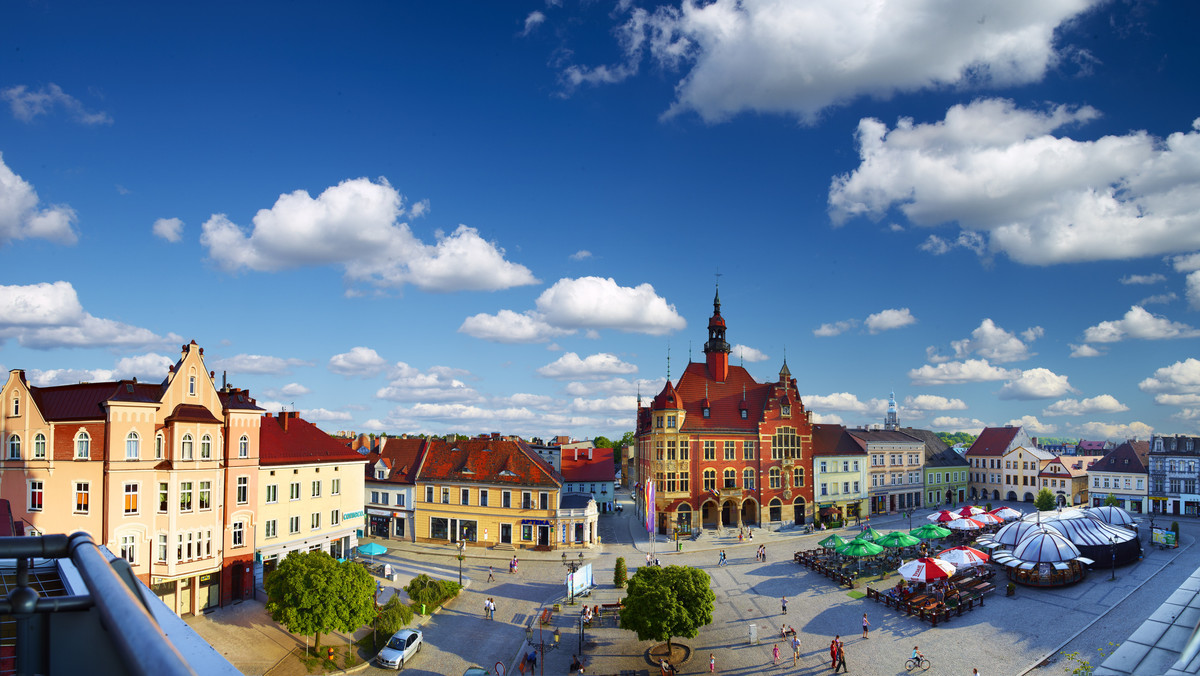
(165, 475)
(724, 450)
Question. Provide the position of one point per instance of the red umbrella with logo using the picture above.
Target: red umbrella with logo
(963, 556)
(925, 570)
(970, 510)
(942, 516)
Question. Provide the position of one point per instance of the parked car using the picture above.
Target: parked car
(400, 648)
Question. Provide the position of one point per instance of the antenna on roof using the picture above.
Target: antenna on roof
(689, 351)
(668, 361)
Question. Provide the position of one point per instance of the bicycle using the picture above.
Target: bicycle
(914, 662)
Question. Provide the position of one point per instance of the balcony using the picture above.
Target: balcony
(68, 609)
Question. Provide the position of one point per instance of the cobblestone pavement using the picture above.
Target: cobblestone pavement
(1007, 636)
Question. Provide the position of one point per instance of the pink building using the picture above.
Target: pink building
(164, 475)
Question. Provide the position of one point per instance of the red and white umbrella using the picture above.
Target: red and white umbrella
(942, 516)
(964, 524)
(963, 556)
(925, 570)
(1006, 513)
(987, 518)
(970, 510)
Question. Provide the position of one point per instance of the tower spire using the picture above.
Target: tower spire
(716, 350)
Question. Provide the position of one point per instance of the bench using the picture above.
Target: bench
(546, 615)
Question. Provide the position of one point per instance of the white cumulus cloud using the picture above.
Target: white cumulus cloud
(49, 315)
(952, 424)
(1114, 431)
(835, 328)
(258, 363)
(957, 372)
(1037, 383)
(1105, 403)
(1182, 377)
(145, 367)
(599, 303)
(438, 383)
(1041, 199)
(507, 326)
(593, 366)
(837, 401)
(932, 402)
(359, 361)
(356, 225)
(28, 104)
(170, 229)
(1140, 324)
(1032, 425)
(886, 320)
(992, 342)
(23, 217)
(1084, 350)
(1143, 279)
(747, 353)
(799, 58)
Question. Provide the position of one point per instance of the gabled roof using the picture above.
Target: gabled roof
(81, 401)
(883, 436)
(724, 399)
(933, 443)
(1130, 457)
(192, 413)
(401, 455)
(834, 440)
(993, 441)
(495, 461)
(599, 468)
(1035, 452)
(945, 458)
(300, 442)
(237, 398)
(1085, 445)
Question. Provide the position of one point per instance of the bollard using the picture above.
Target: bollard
(753, 634)
(422, 608)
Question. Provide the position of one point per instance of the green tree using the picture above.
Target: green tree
(602, 442)
(1044, 500)
(1111, 501)
(620, 574)
(311, 593)
(392, 617)
(663, 602)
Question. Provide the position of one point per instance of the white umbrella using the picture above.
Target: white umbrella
(970, 510)
(963, 556)
(987, 518)
(925, 570)
(964, 524)
(1006, 513)
(942, 516)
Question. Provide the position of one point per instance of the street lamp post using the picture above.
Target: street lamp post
(573, 566)
(541, 645)
(1113, 541)
(462, 548)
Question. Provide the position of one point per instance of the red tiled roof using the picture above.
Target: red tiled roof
(724, 399)
(81, 401)
(1128, 458)
(599, 468)
(993, 441)
(192, 413)
(666, 399)
(302, 441)
(402, 457)
(834, 440)
(485, 461)
(236, 398)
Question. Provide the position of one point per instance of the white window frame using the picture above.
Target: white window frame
(38, 488)
(335, 517)
(239, 534)
(316, 488)
(244, 447)
(335, 486)
(206, 447)
(133, 445)
(315, 521)
(83, 445)
(272, 494)
(270, 529)
(77, 488)
(137, 501)
(158, 446)
(243, 490)
(187, 447)
(14, 447)
(293, 525)
(129, 548)
(39, 446)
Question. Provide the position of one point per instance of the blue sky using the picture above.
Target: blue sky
(475, 217)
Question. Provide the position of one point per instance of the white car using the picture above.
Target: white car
(400, 648)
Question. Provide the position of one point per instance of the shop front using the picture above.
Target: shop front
(380, 523)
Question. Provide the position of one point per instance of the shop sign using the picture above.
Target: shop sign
(355, 515)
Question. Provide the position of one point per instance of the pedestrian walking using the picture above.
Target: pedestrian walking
(764, 553)
(833, 652)
(775, 654)
(647, 559)
(866, 624)
(487, 608)
(783, 602)
(841, 659)
(712, 663)
(491, 577)
(974, 672)
(795, 650)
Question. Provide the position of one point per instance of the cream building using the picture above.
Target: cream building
(311, 492)
(163, 474)
(1022, 470)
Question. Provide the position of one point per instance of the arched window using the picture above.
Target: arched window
(748, 479)
(83, 445)
(192, 383)
(39, 446)
(16, 409)
(206, 447)
(186, 447)
(133, 445)
(775, 478)
(710, 479)
(158, 446)
(14, 447)
(244, 447)
(731, 478)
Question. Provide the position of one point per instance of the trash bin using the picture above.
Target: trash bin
(679, 546)
(422, 608)
(753, 634)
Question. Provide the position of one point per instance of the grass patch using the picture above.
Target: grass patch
(855, 594)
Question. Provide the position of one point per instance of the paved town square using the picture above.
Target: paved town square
(1021, 634)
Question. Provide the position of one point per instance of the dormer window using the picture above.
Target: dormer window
(787, 410)
(745, 414)
(671, 422)
(706, 411)
(381, 474)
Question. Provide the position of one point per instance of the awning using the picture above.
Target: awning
(828, 510)
(1084, 560)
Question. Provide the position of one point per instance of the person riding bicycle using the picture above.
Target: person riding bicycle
(917, 654)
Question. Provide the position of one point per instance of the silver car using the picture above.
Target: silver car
(400, 649)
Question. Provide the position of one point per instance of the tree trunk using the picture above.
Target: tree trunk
(316, 641)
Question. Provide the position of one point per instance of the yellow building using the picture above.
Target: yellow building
(486, 492)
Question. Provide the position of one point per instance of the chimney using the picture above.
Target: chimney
(589, 452)
(576, 453)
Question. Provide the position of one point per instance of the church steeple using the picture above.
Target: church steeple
(892, 420)
(716, 350)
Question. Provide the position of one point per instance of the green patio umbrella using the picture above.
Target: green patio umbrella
(897, 539)
(869, 534)
(859, 547)
(833, 541)
(930, 531)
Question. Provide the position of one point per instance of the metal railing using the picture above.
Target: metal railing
(137, 639)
